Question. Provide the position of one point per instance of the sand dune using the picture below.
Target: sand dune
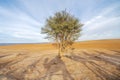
(90, 60)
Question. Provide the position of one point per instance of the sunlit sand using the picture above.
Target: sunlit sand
(90, 60)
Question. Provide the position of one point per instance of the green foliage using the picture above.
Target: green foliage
(63, 28)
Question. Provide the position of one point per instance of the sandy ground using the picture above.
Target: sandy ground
(90, 60)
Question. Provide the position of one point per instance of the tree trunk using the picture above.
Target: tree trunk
(60, 50)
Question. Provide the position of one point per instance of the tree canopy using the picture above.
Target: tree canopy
(63, 28)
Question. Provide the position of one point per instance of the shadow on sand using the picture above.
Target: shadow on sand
(97, 69)
(53, 66)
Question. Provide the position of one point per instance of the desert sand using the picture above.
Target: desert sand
(90, 60)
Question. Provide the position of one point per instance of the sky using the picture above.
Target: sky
(21, 20)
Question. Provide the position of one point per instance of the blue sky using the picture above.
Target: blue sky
(21, 20)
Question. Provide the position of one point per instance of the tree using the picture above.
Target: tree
(63, 28)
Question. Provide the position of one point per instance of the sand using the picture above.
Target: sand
(90, 60)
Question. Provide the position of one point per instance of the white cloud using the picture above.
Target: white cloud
(25, 24)
(92, 20)
(17, 16)
(19, 25)
(103, 26)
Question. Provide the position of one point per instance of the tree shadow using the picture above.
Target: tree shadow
(97, 69)
(111, 59)
(117, 52)
(53, 66)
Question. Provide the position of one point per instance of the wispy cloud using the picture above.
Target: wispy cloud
(103, 26)
(19, 25)
(21, 20)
